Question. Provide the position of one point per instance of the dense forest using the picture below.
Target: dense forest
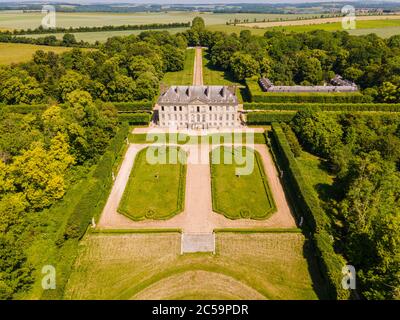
(363, 153)
(122, 69)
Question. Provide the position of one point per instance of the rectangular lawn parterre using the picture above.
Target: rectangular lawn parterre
(244, 196)
(154, 191)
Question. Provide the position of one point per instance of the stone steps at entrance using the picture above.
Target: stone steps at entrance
(197, 242)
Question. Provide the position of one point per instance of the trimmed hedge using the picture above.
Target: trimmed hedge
(93, 199)
(134, 118)
(134, 106)
(257, 95)
(315, 219)
(395, 107)
(258, 118)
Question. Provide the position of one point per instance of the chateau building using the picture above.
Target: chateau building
(198, 107)
(337, 84)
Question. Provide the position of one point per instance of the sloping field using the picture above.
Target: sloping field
(149, 266)
(17, 52)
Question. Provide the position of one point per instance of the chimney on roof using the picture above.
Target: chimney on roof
(232, 89)
(163, 88)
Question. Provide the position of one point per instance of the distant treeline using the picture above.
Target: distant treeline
(152, 26)
(321, 16)
(68, 40)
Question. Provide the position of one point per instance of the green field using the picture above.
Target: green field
(184, 77)
(150, 266)
(20, 20)
(102, 36)
(239, 196)
(383, 28)
(16, 52)
(337, 26)
(155, 191)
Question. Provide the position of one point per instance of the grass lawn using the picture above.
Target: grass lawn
(313, 168)
(184, 77)
(18, 52)
(244, 196)
(154, 191)
(150, 266)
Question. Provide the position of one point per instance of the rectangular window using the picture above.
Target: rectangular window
(198, 109)
(180, 108)
(210, 108)
(174, 108)
(162, 108)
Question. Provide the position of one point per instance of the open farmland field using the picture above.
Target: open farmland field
(359, 19)
(185, 76)
(20, 20)
(102, 36)
(16, 52)
(383, 28)
(149, 266)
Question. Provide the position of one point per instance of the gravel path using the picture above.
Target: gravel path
(198, 68)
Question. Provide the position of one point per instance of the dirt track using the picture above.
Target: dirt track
(313, 21)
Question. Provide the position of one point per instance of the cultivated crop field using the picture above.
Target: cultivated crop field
(154, 191)
(149, 266)
(17, 52)
(102, 36)
(239, 196)
(20, 20)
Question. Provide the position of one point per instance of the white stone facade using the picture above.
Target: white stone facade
(198, 107)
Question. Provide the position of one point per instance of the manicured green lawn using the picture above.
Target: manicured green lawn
(184, 77)
(154, 191)
(244, 196)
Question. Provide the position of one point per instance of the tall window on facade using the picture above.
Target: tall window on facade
(162, 108)
(198, 109)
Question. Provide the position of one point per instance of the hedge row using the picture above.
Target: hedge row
(258, 118)
(257, 95)
(315, 219)
(395, 107)
(93, 199)
(135, 118)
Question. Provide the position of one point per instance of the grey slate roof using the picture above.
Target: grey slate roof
(204, 94)
(338, 84)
